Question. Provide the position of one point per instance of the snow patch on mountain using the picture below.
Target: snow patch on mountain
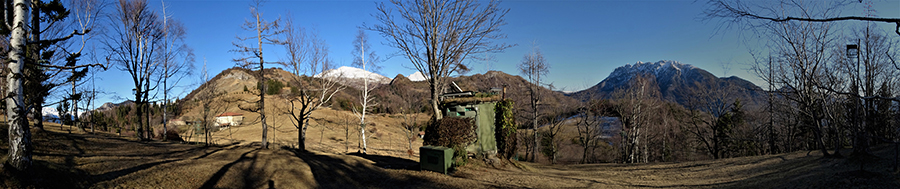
(418, 76)
(49, 111)
(352, 73)
(660, 68)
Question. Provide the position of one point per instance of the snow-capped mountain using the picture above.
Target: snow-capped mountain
(354, 73)
(49, 112)
(52, 115)
(674, 79)
(353, 76)
(418, 76)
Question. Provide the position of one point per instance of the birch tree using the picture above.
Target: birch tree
(440, 37)
(176, 60)
(360, 54)
(20, 146)
(635, 104)
(266, 33)
(31, 53)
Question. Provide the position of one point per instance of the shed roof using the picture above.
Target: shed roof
(467, 100)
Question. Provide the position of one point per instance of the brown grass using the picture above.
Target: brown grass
(100, 160)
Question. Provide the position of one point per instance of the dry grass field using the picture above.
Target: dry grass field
(75, 159)
(71, 158)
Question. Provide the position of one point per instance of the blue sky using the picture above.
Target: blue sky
(582, 40)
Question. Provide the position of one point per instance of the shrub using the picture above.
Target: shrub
(274, 87)
(452, 132)
(295, 91)
(505, 130)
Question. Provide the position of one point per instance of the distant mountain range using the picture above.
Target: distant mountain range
(674, 79)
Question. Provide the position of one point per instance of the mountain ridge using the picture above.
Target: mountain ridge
(674, 79)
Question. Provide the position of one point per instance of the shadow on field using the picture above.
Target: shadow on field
(331, 172)
(211, 183)
(389, 162)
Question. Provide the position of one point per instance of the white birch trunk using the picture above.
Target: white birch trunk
(19, 133)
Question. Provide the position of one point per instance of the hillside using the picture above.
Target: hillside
(402, 92)
(675, 82)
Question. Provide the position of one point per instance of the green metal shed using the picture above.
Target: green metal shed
(482, 110)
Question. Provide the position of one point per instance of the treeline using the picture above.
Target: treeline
(121, 119)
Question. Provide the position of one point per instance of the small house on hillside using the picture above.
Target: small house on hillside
(177, 122)
(229, 119)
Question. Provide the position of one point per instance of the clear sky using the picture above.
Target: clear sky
(583, 41)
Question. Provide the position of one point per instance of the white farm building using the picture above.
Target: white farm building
(229, 119)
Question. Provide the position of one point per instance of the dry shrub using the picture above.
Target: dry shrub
(450, 132)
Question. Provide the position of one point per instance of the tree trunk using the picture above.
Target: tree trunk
(39, 114)
(138, 112)
(20, 146)
(534, 118)
(301, 134)
(435, 100)
(165, 106)
(262, 84)
(362, 131)
(36, 55)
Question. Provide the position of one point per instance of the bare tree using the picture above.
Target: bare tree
(204, 99)
(173, 49)
(738, 11)
(550, 140)
(799, 53)
(709, 103)
(360, 45)
(410, 124)
(590, 127)
(132, 46)
(312, 93)
(438, 37)
(265, 34)
(297, 46)
(534, 67)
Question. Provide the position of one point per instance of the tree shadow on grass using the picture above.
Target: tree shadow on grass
(211, 183)
(332, 172)
(389, 162)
